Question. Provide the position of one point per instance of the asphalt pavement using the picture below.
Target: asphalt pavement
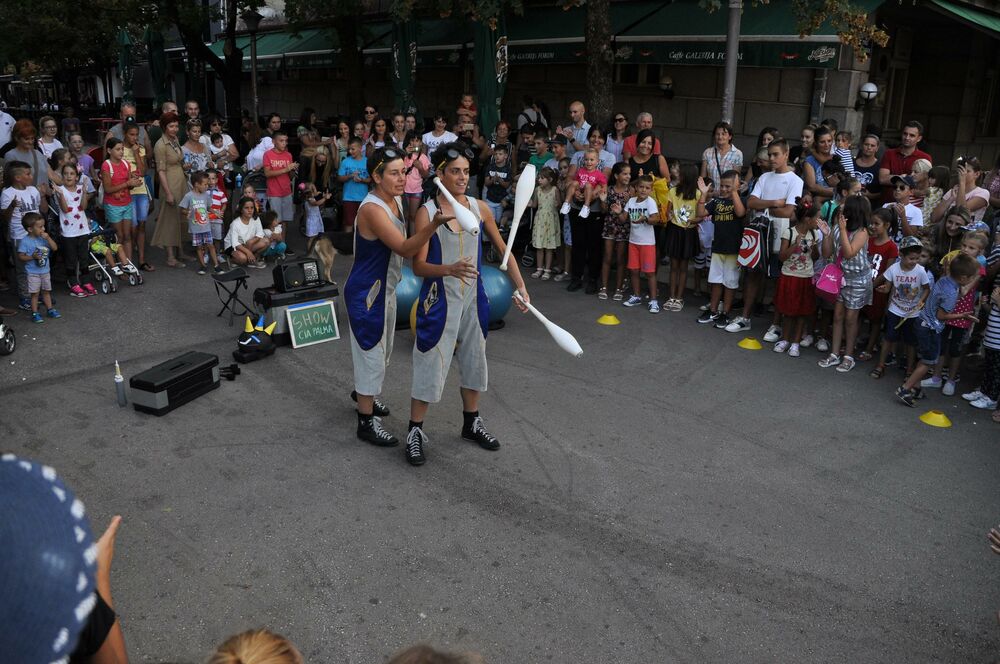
(668, 497)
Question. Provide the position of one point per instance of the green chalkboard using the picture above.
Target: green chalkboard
(312, 323)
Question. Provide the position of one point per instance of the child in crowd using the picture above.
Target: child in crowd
(195, 206)
(562, 184)
(353, 172)
(938, 309)
(17, 200)
(920, 172)
(315, 200)
(682, 242)
(848, 241)
(498, 181)
(989, 387)
(220, 155)
(728, 212)
(74, 227)
(248, 191)
(589, 179)
(907, 286)
(246, 240)
(274, 232)
(542, 154)
(33, 251)
(418, 169)
(910, 217)
(118, 179)
(642, 213)
(674, 171)
(545, 232)
(926, 259)
(217, 213)
(616, 230)
(949, 235)
(937, 182)
(110, 251)
(882, 252)
(796, 295)
(842, 150)
(957, 333)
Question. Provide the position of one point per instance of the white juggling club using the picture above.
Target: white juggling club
(565, 340)
(466, 219)
(522, 196)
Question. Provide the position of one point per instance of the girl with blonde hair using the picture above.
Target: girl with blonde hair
(257, 646)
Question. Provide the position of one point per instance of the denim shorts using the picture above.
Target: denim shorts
(140, 208)
(928, 343)
(115, 214)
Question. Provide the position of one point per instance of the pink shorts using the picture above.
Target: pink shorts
(642, 257)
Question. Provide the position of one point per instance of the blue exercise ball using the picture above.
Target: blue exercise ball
(407, 292)
(499, 289)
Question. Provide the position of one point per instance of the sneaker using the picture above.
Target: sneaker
(415, 446)
(806, 341)
(564, 209)
(933, 383)
(618, 296)
(793, 350)
(974, 396)
(585, 212)
(985, 403)
(918, 393)
(201, 269)
(654, 307)
(562, 276)
(76, 291)
(37, 318)
(739, 324)
(781, 346)
(722, 322)
(705, 307)
(949, 388)
(54, 313)
(90, 289)
(24, 304)
(219, 269)
(830, 360)
(822, 345)
(708, 317)
(371, 431)
(633, 301)
(846, 364)
(602, 294)
(906, 396)
(378, 408)
(773, 334)
(478, 433)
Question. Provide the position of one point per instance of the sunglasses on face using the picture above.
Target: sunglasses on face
(369, 111)
(621, 120)
(452, 154)
(901, 187)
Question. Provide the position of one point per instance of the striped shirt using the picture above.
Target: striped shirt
(991, 336)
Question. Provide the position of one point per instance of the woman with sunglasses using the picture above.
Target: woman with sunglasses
(615, 137)
(370, 114)
(380, 245)
(452, 315)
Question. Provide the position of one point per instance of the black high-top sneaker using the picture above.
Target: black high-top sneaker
(379, 408)
(370, 430)
(415, 446)
(474, 430)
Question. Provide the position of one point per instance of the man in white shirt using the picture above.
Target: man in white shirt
(577, 132)
(774, 196)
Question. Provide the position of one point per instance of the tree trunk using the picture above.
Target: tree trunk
(600, 62)
(350, 59)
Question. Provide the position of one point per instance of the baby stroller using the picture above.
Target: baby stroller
(99, 268)
(8, 340)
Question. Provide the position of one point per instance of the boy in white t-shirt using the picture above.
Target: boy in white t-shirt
(642, 213)
(910, 286)
(17, 200)
(774, 196)
(910, 217)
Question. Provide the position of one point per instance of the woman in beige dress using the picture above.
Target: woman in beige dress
(173, 185)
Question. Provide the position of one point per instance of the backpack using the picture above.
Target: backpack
(755, 246)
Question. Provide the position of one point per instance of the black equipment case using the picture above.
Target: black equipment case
(166, 386)
(272, 303)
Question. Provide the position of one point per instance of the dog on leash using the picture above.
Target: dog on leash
(326, 248)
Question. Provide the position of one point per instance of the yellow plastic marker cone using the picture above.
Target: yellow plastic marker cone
(609, 319)
(749, 343)
(936, 418)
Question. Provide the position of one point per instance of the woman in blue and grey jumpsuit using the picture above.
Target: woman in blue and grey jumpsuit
(452, 308)
(380, 244)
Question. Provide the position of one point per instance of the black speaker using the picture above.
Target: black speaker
(297, 275)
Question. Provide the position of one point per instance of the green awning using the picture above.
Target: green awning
(313, 47)
(974, 18)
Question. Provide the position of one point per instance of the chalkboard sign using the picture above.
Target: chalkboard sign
(312, 323)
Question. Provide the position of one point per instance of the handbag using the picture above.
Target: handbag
(830, 280)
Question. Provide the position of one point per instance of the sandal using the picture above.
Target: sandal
(877, 372)
(146, 267)
(537, 273)
(176, 264)
(546, 275)
(602, 294)
(864, 356)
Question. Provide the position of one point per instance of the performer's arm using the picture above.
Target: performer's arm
(464, 269)
(490, 228)
(374, 220)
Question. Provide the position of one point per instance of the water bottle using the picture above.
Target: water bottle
(239, 182)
